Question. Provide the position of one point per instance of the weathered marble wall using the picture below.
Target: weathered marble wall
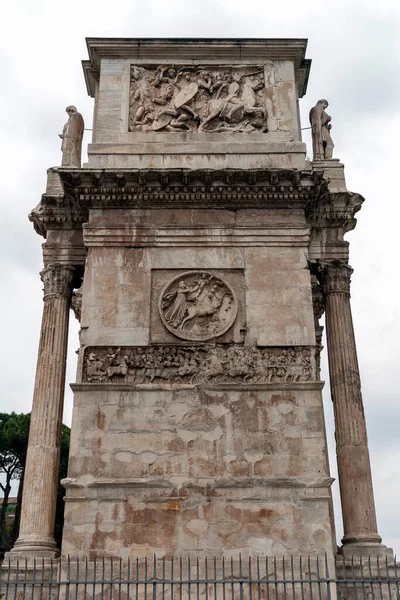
(183, 439)
(169, 466)
(171, 471)
(275, 281)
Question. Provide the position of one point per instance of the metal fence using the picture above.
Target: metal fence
(283, 578)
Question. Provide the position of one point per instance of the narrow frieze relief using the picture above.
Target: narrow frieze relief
(193, 98)
(198, 364)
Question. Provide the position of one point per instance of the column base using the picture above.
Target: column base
(364, 547)
(33, 549)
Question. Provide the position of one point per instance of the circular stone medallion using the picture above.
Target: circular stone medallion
(197, 306)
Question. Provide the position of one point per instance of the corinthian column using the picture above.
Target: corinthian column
(356, 492)
(36, 535)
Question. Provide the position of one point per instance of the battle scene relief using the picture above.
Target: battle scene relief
(197, 98)
(199, 364)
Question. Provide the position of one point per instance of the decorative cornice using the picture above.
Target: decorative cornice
(57, 212)
(226, 51)
(335, 277)
(334, 210)
(58, 280)
(227, 189)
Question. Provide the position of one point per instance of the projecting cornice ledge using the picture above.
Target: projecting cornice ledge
(71, 193)
(330, 216)
(227, 189)
(57, 212)
(334, 209)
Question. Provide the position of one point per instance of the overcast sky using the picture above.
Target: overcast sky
(355, 48)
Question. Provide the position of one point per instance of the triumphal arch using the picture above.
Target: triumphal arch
(199, 249)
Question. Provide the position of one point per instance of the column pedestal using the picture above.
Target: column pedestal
(36, 535)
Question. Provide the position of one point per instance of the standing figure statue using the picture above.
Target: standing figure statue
(71, 136)
(320, 131)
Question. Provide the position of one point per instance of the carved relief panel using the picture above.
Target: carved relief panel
(197, 98)
(199, 364)
(197, 306)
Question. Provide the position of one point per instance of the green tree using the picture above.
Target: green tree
(64, 454)
(14, 433)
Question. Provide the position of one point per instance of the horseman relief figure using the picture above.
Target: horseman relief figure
(198, 306)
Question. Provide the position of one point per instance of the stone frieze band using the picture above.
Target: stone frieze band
(199, 364)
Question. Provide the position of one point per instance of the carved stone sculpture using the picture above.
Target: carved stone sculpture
(198, 306)
(57, 280)
(71, 136)
(193, 98)
(198, 364)
(321, 126)
(76, 303)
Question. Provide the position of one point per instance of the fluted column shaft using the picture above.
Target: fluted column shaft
(356, 491)
(36, 535)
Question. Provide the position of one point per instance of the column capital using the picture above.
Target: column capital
(58, 280)
(335, 277)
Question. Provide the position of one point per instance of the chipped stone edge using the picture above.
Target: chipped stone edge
(99, 387)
